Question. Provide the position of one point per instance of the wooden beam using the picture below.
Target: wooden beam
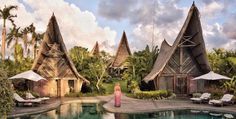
(198, 55)
(180, 59)
(192, 48)
(187, 59)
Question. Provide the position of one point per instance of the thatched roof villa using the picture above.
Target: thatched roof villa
(123, 52)
(185, 59)
(54, 64)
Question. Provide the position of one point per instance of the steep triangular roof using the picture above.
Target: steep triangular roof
(122, 53)
(95, 50)
(192, 29)
(52, 60)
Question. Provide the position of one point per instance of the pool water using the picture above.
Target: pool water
(95, 111)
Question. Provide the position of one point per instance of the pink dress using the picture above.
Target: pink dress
(117, 94)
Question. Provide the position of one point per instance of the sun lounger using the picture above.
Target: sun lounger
(20, 100)
(30, 96)
(226, 99)
(204, 98)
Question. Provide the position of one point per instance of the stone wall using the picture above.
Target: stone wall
(54, 88)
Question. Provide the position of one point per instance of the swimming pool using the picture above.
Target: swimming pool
(95, 111)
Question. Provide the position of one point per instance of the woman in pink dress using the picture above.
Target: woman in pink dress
(117, 93)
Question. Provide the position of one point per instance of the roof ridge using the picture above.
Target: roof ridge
(95, 49)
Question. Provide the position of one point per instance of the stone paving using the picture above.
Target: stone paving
(49, 105)
(128, 105)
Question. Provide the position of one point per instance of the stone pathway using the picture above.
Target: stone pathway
(130, 105)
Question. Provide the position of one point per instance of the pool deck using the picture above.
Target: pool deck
(49, 105)
(128, 105)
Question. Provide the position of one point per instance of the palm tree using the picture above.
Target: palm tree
(6, 15)
(24, 33)
(14, 35)
(36, 38)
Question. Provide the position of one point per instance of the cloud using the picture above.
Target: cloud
(142, 16)
(228, 27)
(168, 19)
(115, 9)
(212, 8)
(77, 27)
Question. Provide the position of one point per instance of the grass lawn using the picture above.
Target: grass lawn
(110, 86)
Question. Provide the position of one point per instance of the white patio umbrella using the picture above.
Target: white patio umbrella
(211, 76)
(30, 75)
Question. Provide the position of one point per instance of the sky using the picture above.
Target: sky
(146, 22)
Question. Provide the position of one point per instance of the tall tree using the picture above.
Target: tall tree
(14, 36)
(36, 39)
(24, 33)
(5, 14)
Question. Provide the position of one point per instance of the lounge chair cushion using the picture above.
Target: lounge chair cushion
(204, 96)
(215, 102)
(225, 99)
(30, 96)
(195, 99)
(20, 99)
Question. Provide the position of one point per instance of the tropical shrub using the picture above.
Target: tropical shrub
(230, 86)
(155, 95)
(138, 66)
(93, 68)
(132, 86)
(6, 94)
(223, 61)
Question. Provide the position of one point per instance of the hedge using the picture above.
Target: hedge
(155, 95)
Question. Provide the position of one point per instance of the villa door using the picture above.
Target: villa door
(58, 88)
(181, 85)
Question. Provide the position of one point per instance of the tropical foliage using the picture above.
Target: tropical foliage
(91, 67)
(6, 94)
(223, 61)
(12, 68)
(230, 86)
(139, 65)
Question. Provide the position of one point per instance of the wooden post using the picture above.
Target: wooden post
(181, 59)
(174, 83)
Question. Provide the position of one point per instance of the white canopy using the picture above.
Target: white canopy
(30, 75)
(211, 76)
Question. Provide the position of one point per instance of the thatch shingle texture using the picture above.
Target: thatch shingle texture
(122, 53)
(52, 60)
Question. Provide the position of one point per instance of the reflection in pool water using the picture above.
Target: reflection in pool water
(95, 111)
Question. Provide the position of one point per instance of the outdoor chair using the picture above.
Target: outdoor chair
(30, 96)
(31, 102)
(204, 98)
(226, 99)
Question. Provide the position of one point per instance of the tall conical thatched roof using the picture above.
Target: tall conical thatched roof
(95, 51)
(52, 61)
(122, 53)
(192, 31)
